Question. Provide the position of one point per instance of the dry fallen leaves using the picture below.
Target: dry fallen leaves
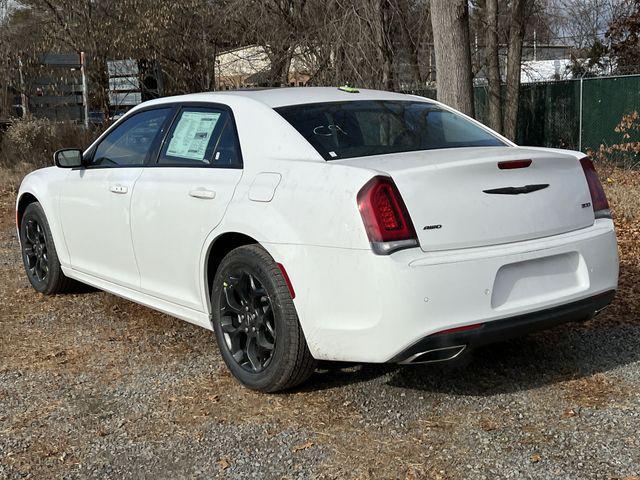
(223, 463)
(488, 425)
(415, 472)
(303, 446)
(595, 391)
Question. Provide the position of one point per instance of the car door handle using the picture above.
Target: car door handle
(203, 193)
(118, 189)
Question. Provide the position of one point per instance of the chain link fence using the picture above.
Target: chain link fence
(579, 114)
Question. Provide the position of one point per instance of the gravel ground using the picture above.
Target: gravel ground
(92, 386)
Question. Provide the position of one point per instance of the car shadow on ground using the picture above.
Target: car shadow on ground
(76, 288)
(566, 352)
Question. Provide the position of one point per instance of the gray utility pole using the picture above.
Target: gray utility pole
(85, 89)
(580, 115)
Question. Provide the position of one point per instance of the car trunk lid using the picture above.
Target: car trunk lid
(460, 198)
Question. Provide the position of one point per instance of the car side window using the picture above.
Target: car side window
(201, 137)
(131, 141)
(227, 153)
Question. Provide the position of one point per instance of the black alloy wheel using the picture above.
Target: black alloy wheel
(256, 324)
(39, 253)
(34, 251)
(247, 321)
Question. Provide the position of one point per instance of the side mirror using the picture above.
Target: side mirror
(68, 158)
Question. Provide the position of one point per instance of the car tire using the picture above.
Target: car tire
(39, 254)
(252, 311)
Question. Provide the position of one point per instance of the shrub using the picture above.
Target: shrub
(626, 153)
(33, 141)
(29, 144)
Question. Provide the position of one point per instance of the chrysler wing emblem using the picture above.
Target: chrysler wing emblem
(517, 190)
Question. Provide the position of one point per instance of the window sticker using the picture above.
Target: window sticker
(192, 134)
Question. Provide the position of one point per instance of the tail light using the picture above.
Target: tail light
(385, 217)
(598, 198)
(511, 164)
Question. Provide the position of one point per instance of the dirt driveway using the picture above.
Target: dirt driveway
(92, 386)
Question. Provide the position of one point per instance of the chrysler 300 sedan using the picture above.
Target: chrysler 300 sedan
(306, 224)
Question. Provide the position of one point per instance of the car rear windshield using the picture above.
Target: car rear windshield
(375, 127)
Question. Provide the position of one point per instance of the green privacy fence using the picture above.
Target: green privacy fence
(574, 114)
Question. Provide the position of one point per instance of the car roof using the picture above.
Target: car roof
(280, 97)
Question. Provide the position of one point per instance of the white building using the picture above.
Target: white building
(250, 66)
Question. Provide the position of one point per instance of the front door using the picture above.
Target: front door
(95, 201)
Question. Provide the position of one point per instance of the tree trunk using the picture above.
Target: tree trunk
(381, 25)
(493, 66)
(280, 59)
(514, 61)
(450, 22)
(412, 46)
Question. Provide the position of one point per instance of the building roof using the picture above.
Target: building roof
(258, 78)
(545, 70)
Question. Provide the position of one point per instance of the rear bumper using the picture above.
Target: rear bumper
(506, 328)
(356, 306)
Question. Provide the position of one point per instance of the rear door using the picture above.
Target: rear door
(94, 202)
(181, 198)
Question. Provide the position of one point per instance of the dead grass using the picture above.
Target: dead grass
(595, 391)
(186, 407)
(328, 415)
(10, 178)
(29, 144)
(623, 192)
(622, 187)
(33, 141)
(626, 200)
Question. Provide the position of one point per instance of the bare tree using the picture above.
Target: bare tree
(580, 22)
(96, 28)
(370, 43)
(18, 58)
(277, 26)
(5, 60)
(450, 22)
(381, 23)
(493, 65)
(354, 42)
(624, 38)
(514, 67)
(183, 39)
(415, 25)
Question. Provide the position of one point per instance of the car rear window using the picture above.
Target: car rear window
(340, 130)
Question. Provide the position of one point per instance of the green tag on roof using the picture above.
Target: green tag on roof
(348, 89)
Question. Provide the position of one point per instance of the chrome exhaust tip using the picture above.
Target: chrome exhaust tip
(443, 354)
(600, 310)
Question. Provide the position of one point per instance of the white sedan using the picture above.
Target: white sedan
(305, 224)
